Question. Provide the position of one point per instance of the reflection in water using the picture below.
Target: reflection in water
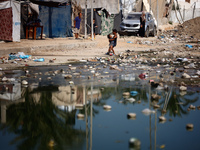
(37, 121)
(9, 94)
(44, 117)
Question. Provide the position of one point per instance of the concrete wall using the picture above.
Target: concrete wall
(187, 5)
(153, 5)
(187, 10)
(161, 10)
(188, 15)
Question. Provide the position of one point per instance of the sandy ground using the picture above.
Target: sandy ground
(98, 48)
(65, 50)
(89, 49)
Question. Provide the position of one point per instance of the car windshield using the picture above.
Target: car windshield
(133, 17)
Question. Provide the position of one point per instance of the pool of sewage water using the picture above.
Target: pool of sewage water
(86, 107)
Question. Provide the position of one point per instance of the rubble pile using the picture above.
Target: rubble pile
(190, 28)
(189, 31)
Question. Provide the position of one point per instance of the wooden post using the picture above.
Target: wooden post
(92, 32)
(3, 113)
(85, 19)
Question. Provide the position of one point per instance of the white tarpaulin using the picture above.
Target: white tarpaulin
(34, 8)
(127, 6)
(16, 13)
(113, 7)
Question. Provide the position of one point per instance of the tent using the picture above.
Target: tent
(103, 19)
(107, 15)
(55, 16)
(97, 21)
(26, 9)
(10, 20)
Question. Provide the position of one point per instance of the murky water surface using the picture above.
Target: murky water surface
(43, 114)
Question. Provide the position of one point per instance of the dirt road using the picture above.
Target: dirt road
(66, 50)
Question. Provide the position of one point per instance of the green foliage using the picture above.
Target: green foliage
(170, 22)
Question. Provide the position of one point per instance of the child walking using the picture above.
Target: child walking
(112, 42)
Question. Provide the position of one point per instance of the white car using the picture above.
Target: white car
(131, 24)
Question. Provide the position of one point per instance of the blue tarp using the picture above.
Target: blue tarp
(11, 57)
(189, 46)
(133, 93)
(56, 21)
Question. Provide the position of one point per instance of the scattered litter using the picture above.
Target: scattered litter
(134, 142)
(107, 107)
(142, 76)
(162, 36)
(5, 79)
(24, 82)
(19, 55)
(162, 118)
(114, 67)
(198, 72)
(189, 126)
(126, 94)
(183, 88)
(82, 60)
(133, 93)
(39, 60)
(147, 111)
(131, 115)
(162, 146)
(128, 77)
(182, 59)
(80, 116)
(131, 100)
(189, 46)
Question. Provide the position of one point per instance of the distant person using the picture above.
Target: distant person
(112, 42)
(77, 22)
(94, 28)
(142, 24)
(109, 36)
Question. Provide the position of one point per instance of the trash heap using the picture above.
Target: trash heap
(15, 58)
(187, 32)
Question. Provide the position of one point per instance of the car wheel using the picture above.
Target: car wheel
(154, 31)
(147, 32)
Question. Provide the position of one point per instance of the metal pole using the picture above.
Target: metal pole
(150, 6)
(86, 117)
(150, 109)
(184, 13)
(92, 32)
(194, 10)
(155, 130)
(91, 113)
(85, 19)
(157, 15)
